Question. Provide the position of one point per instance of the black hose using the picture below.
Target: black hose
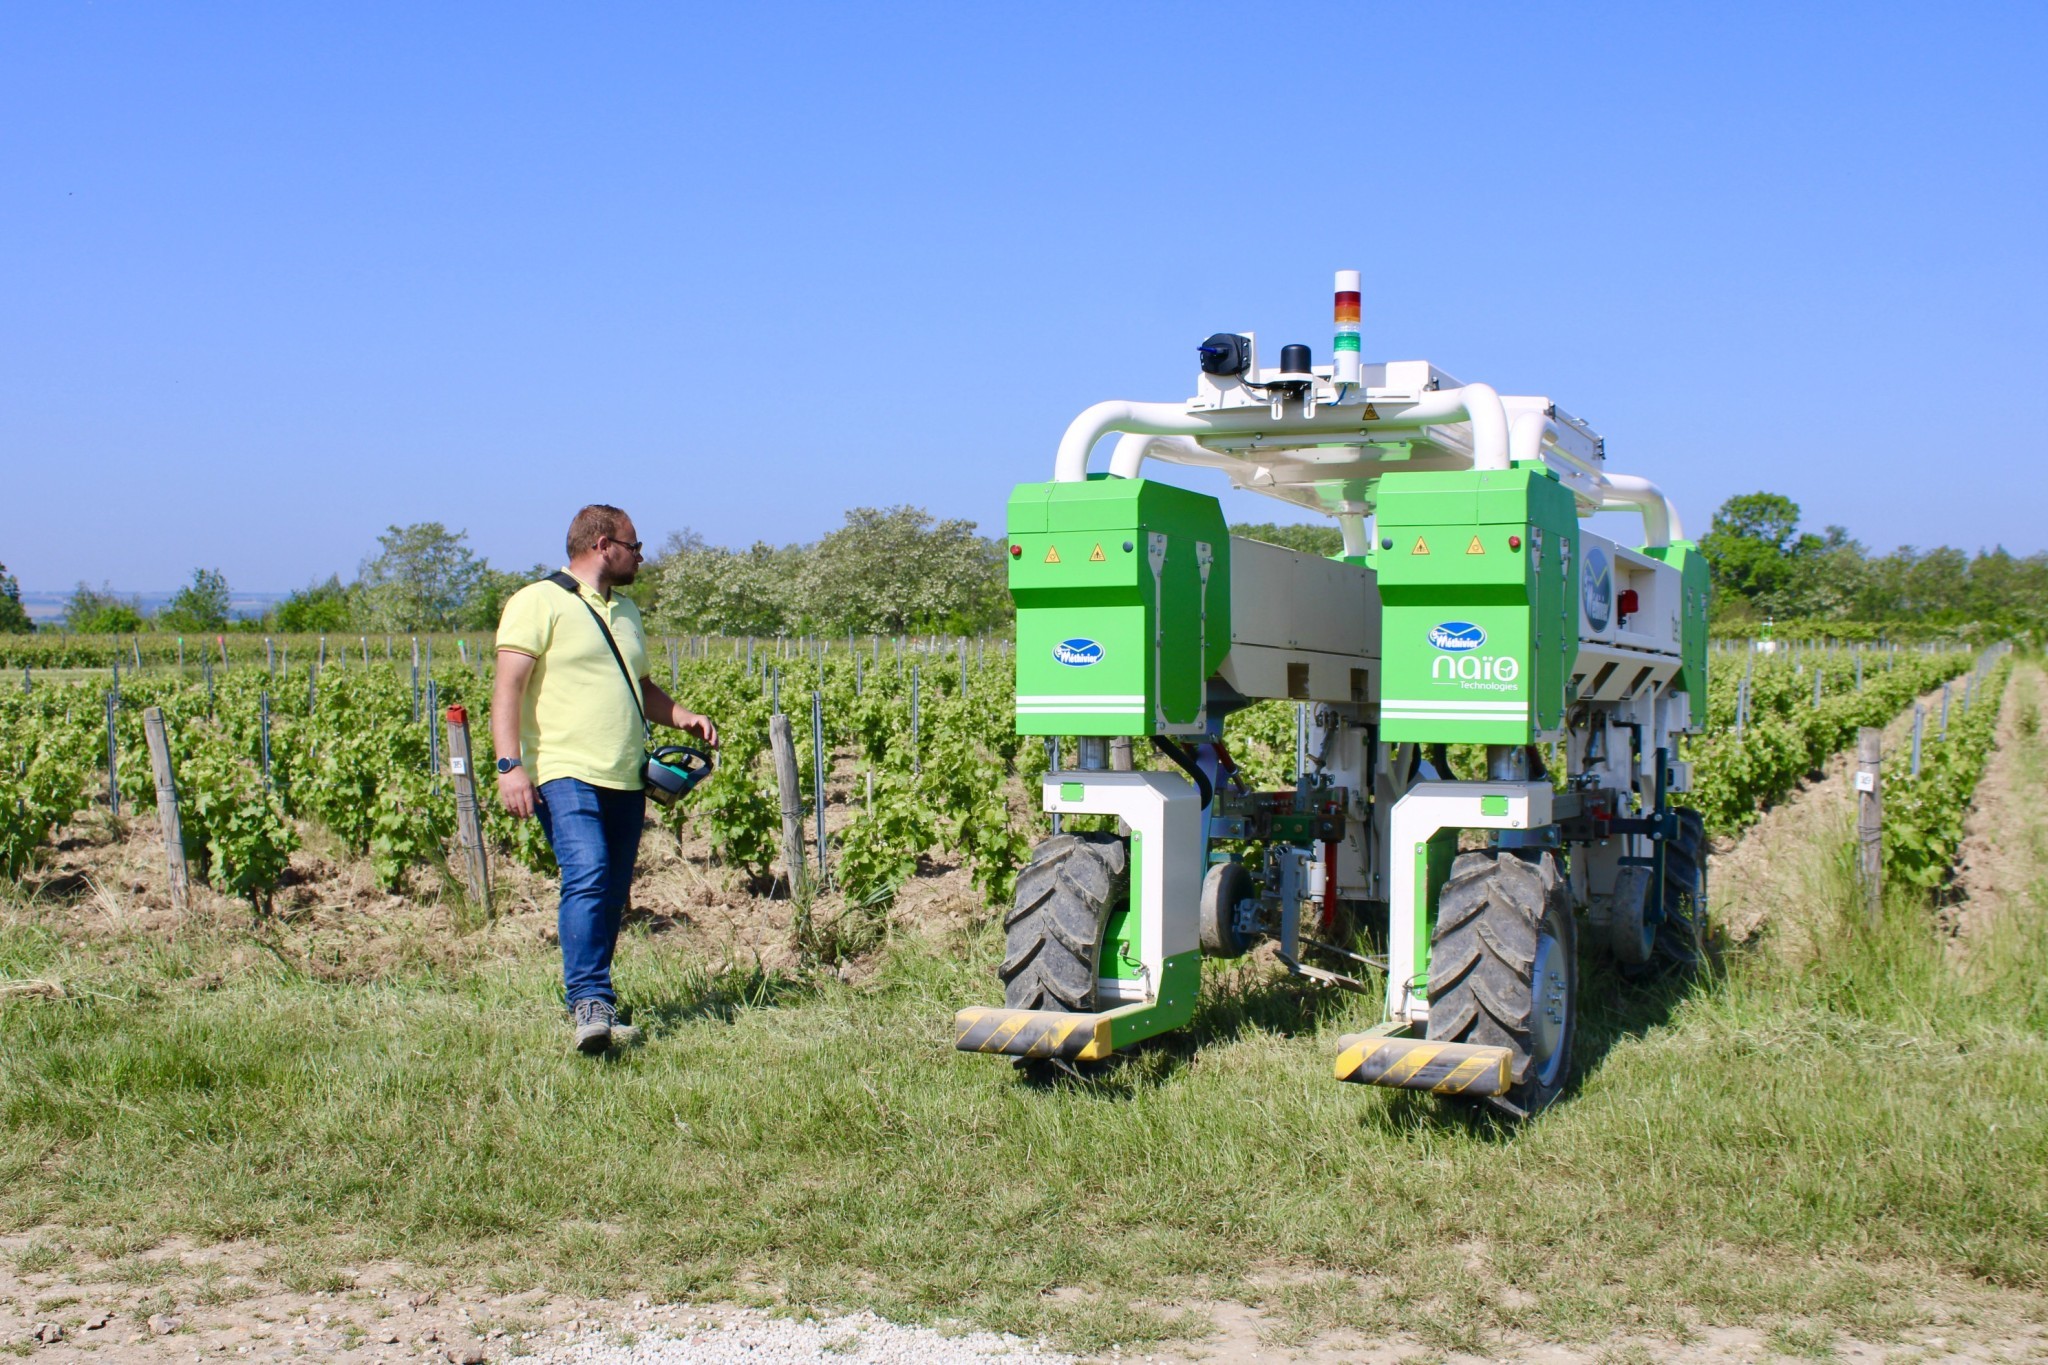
(1186, 762)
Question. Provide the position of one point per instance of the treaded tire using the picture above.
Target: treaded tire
(1681, 947)
(1500, 921)
(1053, 933)
(1223, 888)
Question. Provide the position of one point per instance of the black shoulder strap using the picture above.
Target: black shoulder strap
(567, 583)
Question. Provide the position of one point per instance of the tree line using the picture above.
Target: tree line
(1764, 567)
(888, 570)
(899, 569)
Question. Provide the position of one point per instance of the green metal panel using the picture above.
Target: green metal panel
(1118, 628)
(1123, 952)
(1692, 571)
(1179, 983)
(1479, 635)
(1433, 859)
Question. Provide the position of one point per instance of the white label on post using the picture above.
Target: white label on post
(458, 764)
(1866, 781)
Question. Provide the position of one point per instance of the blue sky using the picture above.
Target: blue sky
(275, 276)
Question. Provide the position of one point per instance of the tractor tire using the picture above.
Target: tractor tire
(1054, 932)
(1504, 971)
(1681, 947)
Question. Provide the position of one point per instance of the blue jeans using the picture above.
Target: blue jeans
(595, 832)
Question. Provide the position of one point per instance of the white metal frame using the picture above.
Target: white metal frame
(1292, 438)
(1164, 810)
(1422, 810)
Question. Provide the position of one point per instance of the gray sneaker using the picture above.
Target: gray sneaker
(594, 1020)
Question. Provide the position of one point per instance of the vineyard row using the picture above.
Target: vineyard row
(260, 747)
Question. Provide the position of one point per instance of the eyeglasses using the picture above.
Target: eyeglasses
(633, 545)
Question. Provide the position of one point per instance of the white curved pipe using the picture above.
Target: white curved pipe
(1525, 439)
(1353, 526)
(1533, 431)
(1627, 492)
(1475, 403)
(1132, 449)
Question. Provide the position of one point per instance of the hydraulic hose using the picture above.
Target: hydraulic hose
(1186, 763)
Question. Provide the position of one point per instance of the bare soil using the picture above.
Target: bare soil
(1762, 876)
(238, 1301)
(331, 919)
(2005, 840)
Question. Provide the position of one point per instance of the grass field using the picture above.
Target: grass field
(1852, 1139)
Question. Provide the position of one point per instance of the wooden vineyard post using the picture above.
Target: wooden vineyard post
(1870, 820)
(791, 797)
(469, 828)
(167, 806)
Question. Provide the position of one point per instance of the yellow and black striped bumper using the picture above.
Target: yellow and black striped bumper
(1416, 1064)
(1032, 1033)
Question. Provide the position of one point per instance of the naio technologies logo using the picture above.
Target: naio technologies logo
(1457, 664)
(1078, 653)
(1456, 637)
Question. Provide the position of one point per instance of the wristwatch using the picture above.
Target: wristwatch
(506, 765)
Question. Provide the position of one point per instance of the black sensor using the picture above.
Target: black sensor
(1226, 354)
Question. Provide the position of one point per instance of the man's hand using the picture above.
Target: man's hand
(663, 709)
(692, 723)
(515, 789)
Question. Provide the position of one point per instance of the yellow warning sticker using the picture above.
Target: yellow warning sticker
(1421, 547)
(1098, 556)
(1372, 414)
(1475, 548)
(1052, 554)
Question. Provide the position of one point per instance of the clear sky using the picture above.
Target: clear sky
(275, 276)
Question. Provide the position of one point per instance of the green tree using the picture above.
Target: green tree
(316, 607)
(202, 604)
(422, 579)
(1308, 539)
(1748, 543)
(100, 611)
(895, 569)
(709, 588)
(494, 587)
(13, 616)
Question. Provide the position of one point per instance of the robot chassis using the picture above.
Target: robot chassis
(1468, 607)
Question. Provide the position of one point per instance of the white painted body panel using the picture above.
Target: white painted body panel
(1165, 811)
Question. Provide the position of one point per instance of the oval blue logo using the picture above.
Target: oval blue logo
(1077, 653)
(1597, 588)
(1455, 637)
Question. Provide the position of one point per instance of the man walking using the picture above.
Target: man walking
(568, 717)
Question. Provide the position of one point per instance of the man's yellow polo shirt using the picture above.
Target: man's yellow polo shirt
(579, 720)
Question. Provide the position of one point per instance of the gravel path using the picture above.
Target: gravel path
(756, 1339)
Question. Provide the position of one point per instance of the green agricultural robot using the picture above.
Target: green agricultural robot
(1469, 606)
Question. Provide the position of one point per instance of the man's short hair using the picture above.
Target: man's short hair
(598, 519)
